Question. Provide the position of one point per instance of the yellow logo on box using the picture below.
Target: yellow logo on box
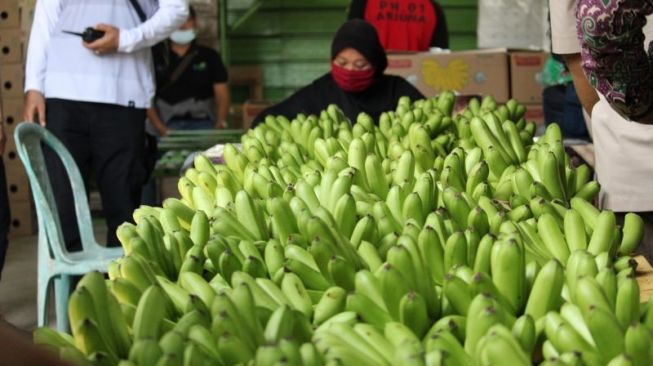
(453, 76)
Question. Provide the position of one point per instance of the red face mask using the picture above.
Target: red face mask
(352, 81)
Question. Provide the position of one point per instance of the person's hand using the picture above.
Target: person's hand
(34, 104)
(108, 43)
(163, 131)
(219, 125)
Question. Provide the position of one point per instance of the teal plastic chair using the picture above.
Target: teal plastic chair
(55, 263)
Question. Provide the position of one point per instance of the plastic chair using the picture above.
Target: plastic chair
(55, 262)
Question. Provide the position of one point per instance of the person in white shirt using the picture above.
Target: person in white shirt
(622, 147)
(93, 96)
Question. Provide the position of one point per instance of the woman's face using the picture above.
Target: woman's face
(352, 60)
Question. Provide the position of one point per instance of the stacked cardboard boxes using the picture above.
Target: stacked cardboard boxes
(13, 15)
(476, 72)
(502, 73)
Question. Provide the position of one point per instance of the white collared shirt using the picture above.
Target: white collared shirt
(59, 66)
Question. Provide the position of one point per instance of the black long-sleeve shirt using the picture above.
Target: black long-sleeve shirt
(380, 97)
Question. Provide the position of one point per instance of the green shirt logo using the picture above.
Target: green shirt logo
(201, 66)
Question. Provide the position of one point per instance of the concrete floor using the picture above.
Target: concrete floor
(18, 283)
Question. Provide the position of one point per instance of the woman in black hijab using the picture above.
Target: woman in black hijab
(356, 82)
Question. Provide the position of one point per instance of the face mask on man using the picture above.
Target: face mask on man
(352, 81)
(183, 36)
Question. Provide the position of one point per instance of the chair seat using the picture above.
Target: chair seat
(98, 255)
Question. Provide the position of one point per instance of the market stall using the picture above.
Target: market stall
(461, 228)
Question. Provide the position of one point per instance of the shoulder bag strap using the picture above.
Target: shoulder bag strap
(139, 10)
(183, 65)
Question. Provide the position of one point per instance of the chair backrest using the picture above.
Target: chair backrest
(29, 138)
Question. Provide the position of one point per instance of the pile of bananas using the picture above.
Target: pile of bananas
(427, 238)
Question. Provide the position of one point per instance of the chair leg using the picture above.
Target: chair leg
(61, 294)
(42, 301)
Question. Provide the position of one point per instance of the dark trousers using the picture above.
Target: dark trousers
(5, 216)
(108, 141)
(561, 105)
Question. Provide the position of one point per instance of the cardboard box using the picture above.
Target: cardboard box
(13, 164)
(12, 80)
(12, 113)
(11, 45)
(10, 144)
(467, 73)
(251, 109)
(525, 75)
(11, 158)
(9, 14)
(17, 184)
(534, 113)
(23, 219)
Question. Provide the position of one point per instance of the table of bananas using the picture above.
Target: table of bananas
(427, 237)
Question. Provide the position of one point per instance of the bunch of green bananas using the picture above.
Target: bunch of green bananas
(602, 322)
(422, 238)
(190, 322)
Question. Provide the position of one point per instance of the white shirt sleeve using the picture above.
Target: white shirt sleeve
(46, 16)
(563, 26)
(171, 14)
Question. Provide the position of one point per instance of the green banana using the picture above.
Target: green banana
(295, 292)
(508, 272)
(627, 302)
(606, 332)
(455, 251)
(545, 295)
(250, 215)
(524, 331)
(280, 325)
(633, 232)
(150, 313)
(575, 234)
(552, 237)
(604, 233)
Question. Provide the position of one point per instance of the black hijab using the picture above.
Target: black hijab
(361, 36)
